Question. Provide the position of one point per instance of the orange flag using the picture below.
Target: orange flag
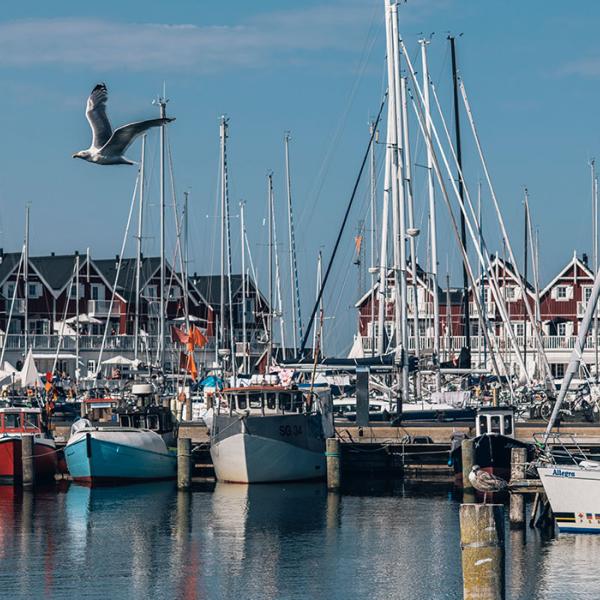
(178, 336)
(197, 337)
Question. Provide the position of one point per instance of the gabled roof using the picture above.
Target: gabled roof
(55, 271)
(8, 264)
(126, 284)
(573, 263)
(209, 287)
(512, 271)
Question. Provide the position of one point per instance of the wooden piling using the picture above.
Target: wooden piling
(27, 465)
(482, 546)
(467, 451)
(334, 464)
(184, 463)
(518, 458)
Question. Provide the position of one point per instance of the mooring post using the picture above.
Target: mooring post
(482, 546)
(467, 452)
(518, 458)
(27, 466)
(184, 462)
(334, 464)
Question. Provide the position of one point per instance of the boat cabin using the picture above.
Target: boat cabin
(98, 405)
(155, 418)
(16, 420)
(495, 420)
(265, 400)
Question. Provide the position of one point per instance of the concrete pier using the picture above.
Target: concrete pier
(482, 549)
(334, 464)
(27, 465)
(184, 463)
(518, 457)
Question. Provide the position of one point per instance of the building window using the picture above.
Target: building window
(39, 327)
(174, 293)
(511, 293)
(557, 370)
(74, 295)
(9, 290)
(97, 291)
(519, 328)
(151, 291)
(34, 290)
(562, 292)
(587, 294)
(561, 329)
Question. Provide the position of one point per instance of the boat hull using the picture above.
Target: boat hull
(574, 495)
(95, 461)
(44, 458)
(266, 449)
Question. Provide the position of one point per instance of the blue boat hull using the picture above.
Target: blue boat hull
(97, 462)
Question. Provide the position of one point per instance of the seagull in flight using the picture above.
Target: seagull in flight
(108, 146)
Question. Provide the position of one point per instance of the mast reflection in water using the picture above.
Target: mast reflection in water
(291, 541)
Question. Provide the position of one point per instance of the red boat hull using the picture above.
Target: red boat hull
(44, 459)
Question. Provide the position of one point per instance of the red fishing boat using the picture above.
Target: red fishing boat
(15, 422)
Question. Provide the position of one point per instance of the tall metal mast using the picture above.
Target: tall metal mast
(76, 318)
(595, 254)
(223, 138)
(294, 287)
(278, 280)
(463, 231)
(525, 268)
(245, 357)
(162, 103)
(138, 262)
(270, 217)
(373, 210)
(432, 212)
(26, 278)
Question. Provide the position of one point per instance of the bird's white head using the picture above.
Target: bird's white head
(475, 468)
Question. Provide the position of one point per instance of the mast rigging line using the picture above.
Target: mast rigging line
(341, 231)
(503, 227)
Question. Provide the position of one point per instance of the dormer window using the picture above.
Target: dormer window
(562, 292)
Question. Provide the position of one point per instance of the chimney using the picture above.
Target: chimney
(116, 261)
(51, 253)
(1, 255)
(76, 252)
(584, 259)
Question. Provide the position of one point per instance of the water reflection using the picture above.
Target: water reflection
(292, 541)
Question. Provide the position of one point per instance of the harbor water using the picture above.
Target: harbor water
(293, 541)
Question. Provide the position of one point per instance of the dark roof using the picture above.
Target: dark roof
(209, 287)
(127, 274)
(7, 264)
(55, 270)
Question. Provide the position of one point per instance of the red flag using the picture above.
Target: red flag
(178, 336)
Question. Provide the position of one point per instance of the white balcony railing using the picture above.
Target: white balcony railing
(101, 308)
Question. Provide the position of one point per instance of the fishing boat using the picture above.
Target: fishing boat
(494, 439)
(270, 434)
(16, 422)
(113, 455)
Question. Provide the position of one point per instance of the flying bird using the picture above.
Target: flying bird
(485, 482)
(108, 146)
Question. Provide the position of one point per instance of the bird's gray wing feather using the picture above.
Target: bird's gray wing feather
(488, 479)
(122, 137)
(95, 113)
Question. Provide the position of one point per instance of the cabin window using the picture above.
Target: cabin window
(242, 402)
(136, 421)
(31, 421)
(482, 424)
(125, 421)
(271, 401)
(297, 402)
(495, 424)
(255, 401)
(507, 424)
(152, 422)
(12, 421)
(285, 401)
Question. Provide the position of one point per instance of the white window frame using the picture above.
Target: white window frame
(37, 290)
(563, 327)
(100, 290)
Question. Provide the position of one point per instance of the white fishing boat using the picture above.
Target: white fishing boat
(109, 455)
(268, 434)
(574, 494)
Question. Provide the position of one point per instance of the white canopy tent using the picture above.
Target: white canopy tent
(29, 373)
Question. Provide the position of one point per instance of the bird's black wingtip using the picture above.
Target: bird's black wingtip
(100, 86)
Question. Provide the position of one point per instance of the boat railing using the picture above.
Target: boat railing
(561, 445)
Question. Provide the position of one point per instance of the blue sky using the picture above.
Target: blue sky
(316, 68)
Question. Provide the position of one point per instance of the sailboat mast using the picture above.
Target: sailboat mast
(138, 261)
(186, 257)
(77, 298)
(432, 212)
(278, 281)
(26, 278)
(373, 210)
(245, 368)
(294, 286)
(525, 268)
(270, 217)
(595, 254)
(318, 330)
(162, 103)
(223, 138)
(463, 230)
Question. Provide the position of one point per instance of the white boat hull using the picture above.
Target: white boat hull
(243, 458)
(574, 495)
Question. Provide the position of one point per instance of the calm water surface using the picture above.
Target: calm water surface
(263, 542)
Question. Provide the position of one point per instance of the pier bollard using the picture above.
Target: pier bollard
(467, 452)
(518, 457)
(482, 549)
(334, 464)
(184, 463)
(27, 466)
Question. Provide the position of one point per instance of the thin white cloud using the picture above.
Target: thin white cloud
(283, 36)
(583, 67)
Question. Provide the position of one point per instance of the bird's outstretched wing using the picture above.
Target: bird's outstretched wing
(122, 137)
(95, 113)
